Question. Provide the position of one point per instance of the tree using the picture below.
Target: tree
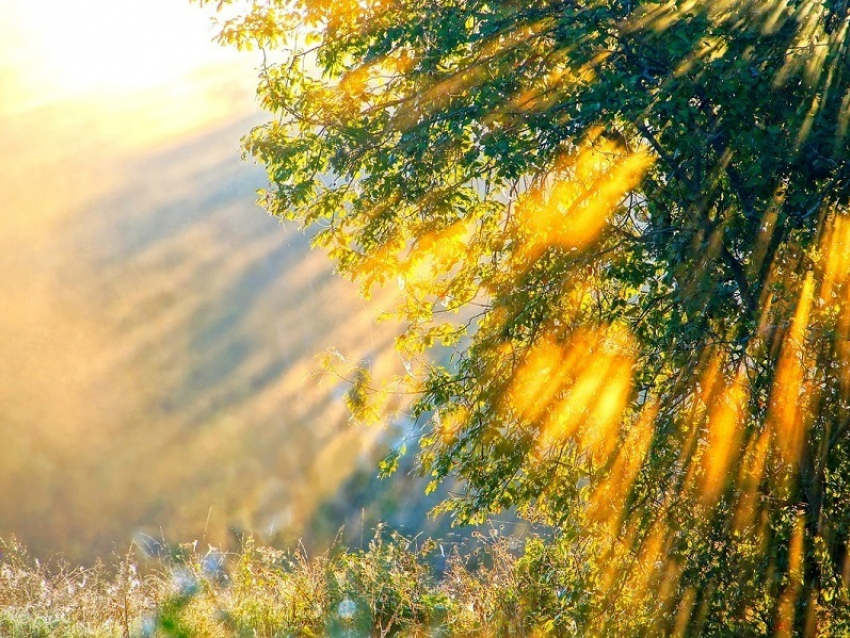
(627, 221)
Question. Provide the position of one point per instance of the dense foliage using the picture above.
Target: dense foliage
(619, 229)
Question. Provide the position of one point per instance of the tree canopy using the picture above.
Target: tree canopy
(621, 231)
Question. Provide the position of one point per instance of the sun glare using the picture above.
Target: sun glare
(53, 50)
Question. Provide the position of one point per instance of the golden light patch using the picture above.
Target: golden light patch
(752, 471)
(570, 413)
(835, 250)
(571, 211)
(788, 415)
(601, 436)
(449, 425)
(355, 83)
(543, 373)
(788, 601)
(609, 497)
(684, 612)
(416, 266)
(573, 390)
(725, 424)
(835, 291)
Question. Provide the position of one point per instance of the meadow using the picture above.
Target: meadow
(389, 588)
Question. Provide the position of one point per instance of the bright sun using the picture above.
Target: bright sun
(52, 49)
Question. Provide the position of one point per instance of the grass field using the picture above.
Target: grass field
(387, 589)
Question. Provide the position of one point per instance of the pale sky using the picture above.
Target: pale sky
(51, 50)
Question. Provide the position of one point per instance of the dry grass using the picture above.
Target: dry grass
(387, 590)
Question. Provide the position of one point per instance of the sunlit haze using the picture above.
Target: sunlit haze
(155, 361)
(51, 49)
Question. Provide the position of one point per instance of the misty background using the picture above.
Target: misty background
(158, 330)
